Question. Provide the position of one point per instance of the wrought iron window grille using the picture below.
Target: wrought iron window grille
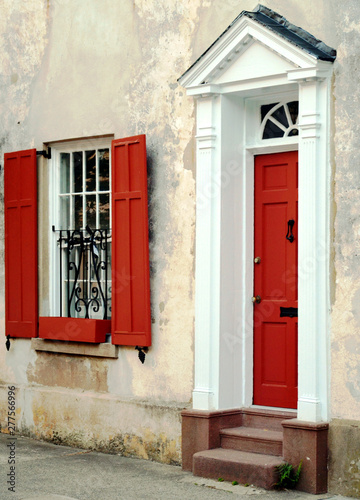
(84, 268)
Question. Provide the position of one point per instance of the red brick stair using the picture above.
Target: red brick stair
(248, 454)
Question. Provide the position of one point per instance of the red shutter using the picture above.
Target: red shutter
(21, 284)
(130, 300)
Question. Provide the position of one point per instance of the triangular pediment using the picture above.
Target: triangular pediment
(257, 45)
(257, 61)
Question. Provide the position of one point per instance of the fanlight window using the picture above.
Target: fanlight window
(279, 119)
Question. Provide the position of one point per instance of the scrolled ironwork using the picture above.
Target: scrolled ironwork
(84, 262)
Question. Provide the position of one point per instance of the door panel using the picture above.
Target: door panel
(275, 280)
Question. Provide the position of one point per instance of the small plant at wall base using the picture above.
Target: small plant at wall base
(288, 476)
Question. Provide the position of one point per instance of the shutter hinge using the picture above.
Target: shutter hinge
(44, 153)
(142, 351)
(7, 343)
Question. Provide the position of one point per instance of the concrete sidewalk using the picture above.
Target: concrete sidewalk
(44, 471)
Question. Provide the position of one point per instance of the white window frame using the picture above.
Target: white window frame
(54, 206)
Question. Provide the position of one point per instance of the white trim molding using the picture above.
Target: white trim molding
(230, 90)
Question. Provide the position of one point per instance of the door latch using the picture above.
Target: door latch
(290, 235)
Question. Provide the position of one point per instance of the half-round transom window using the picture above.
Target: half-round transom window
(279, 119)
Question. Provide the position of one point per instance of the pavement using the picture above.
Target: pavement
(44, 471)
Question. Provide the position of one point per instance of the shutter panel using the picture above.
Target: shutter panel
(130, 299)
(21, 283)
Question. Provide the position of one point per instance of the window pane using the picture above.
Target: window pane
(294, 110)
(294, 131)
(64, 172)
(64, 212)
(78, 210)
(104, 181)
(104, 209)
(271, 131)
(78, 172)
(280, 116)
(91, 211)
(266, 108)
(90, 158)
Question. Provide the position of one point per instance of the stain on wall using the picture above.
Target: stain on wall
(74, 372)
(105, 423)
(344, 458)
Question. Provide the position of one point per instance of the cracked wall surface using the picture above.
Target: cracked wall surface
(73, 70)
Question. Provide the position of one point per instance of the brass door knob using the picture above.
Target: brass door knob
(257, 299)
(257, 260)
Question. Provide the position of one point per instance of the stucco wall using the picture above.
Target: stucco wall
(344, 459)
(346, 309)
(76, 70)
(72, 69)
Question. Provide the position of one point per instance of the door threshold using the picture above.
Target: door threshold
(273, 408)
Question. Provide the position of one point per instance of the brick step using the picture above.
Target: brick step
(240, 466)
(265, 419)
(252, 439)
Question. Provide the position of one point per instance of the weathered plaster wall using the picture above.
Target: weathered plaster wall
(346, 309)
(344, 457)
(76, 70)
(99, 421)
(344, 436)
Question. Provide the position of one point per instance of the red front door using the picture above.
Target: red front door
(275, 280)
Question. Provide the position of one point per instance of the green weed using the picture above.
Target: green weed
(288, 476)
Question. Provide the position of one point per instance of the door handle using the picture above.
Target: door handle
(290, 235)
(256, 299)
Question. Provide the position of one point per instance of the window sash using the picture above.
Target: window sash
(66, 190)
(67, 194)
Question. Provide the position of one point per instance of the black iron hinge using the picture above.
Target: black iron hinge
(44, 153)
(142, 351)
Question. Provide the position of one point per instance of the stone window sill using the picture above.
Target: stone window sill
(77, 348)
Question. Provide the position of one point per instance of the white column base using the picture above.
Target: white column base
(309, 410)
(203, 399)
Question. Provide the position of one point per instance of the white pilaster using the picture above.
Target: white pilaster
(207, 270)
(313, 258)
